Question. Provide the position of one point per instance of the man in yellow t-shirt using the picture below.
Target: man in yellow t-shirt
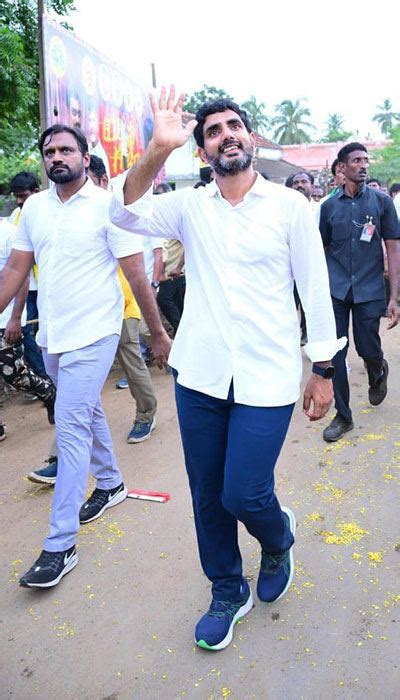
(134, 366)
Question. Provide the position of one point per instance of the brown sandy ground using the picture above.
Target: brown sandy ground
(120, 626)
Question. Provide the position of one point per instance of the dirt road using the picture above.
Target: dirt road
(121, 624)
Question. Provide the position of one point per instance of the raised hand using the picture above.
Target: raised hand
(169, 132)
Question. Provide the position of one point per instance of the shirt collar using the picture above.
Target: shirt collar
(360, 193)
(85, 191)
(259, 187)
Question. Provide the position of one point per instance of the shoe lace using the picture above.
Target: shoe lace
(50, 560)
(220, 608)
(98, 497)
(271, 563)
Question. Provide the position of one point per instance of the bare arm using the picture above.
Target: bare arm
(13, 329)
(13, 275)
(133, 268)
(158, 265)
(168, 134)
(393, 260)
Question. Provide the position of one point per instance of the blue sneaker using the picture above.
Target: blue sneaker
(214, 631)
(122, 384)
(276, 570)
(47, 475)
(141, 431)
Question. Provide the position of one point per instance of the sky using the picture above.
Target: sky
(340, 56)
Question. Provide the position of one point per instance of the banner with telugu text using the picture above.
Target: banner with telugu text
(84, 88)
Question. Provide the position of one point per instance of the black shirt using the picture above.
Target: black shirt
(353, 263)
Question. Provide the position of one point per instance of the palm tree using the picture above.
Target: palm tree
(334, 129)
(255, 110)
(290, 123)
(386, 118)
(334, 122)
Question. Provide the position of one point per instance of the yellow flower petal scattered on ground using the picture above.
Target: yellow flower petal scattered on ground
(376, 557)
(226, 692)
(349, 532)
(356, 555)
(65, 630)
(373, 436)
(389, 477)
(313, 517)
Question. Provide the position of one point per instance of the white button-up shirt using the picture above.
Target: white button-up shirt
(7, 236)
(240, 320)
(76, 249)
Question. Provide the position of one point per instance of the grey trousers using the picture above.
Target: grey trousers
(137, 374)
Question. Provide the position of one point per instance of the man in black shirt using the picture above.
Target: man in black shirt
(352, 225)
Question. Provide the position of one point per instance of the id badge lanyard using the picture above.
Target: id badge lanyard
(367, 229)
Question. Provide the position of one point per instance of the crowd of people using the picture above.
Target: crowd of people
(226, 264)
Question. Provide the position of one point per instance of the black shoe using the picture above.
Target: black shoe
(2, 432)
(99, 501)
(49, 402)
(49, 569)
(378, 391)
(337, 428)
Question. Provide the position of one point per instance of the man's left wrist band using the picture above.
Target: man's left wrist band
(325, 372)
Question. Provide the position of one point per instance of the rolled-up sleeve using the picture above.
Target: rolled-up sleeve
(311, 277)
(122, 243)
(22, 240)
(151, 215)
(390, 224)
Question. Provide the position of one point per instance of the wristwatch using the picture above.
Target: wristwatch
(325, 372)
(155, 285)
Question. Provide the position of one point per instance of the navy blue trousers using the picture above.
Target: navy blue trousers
(32, 352)
(230, 454)
(365, 318)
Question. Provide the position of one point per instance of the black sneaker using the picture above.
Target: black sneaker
(49, 569)
(2, 432)
(377, 392)
(100, 500)
(337, 428)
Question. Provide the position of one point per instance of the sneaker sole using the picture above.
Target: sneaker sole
(227, 640)
(292, 525)
(132, 441)
(71, 565)
(48, 480)
(118, 498)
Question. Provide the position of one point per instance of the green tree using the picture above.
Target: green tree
(386, 118)
(19, 74)
(385, 163)
(256, 111)
(289, 122)
(207, 94)
(334, 129)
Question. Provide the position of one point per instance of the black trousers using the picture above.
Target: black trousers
(366, 318)
(297, 301)
(170, 297)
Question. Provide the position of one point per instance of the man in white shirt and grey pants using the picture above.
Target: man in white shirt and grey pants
(236, 354)
(67, 231)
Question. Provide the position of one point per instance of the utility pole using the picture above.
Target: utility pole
(153, 75)
(42, 99)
